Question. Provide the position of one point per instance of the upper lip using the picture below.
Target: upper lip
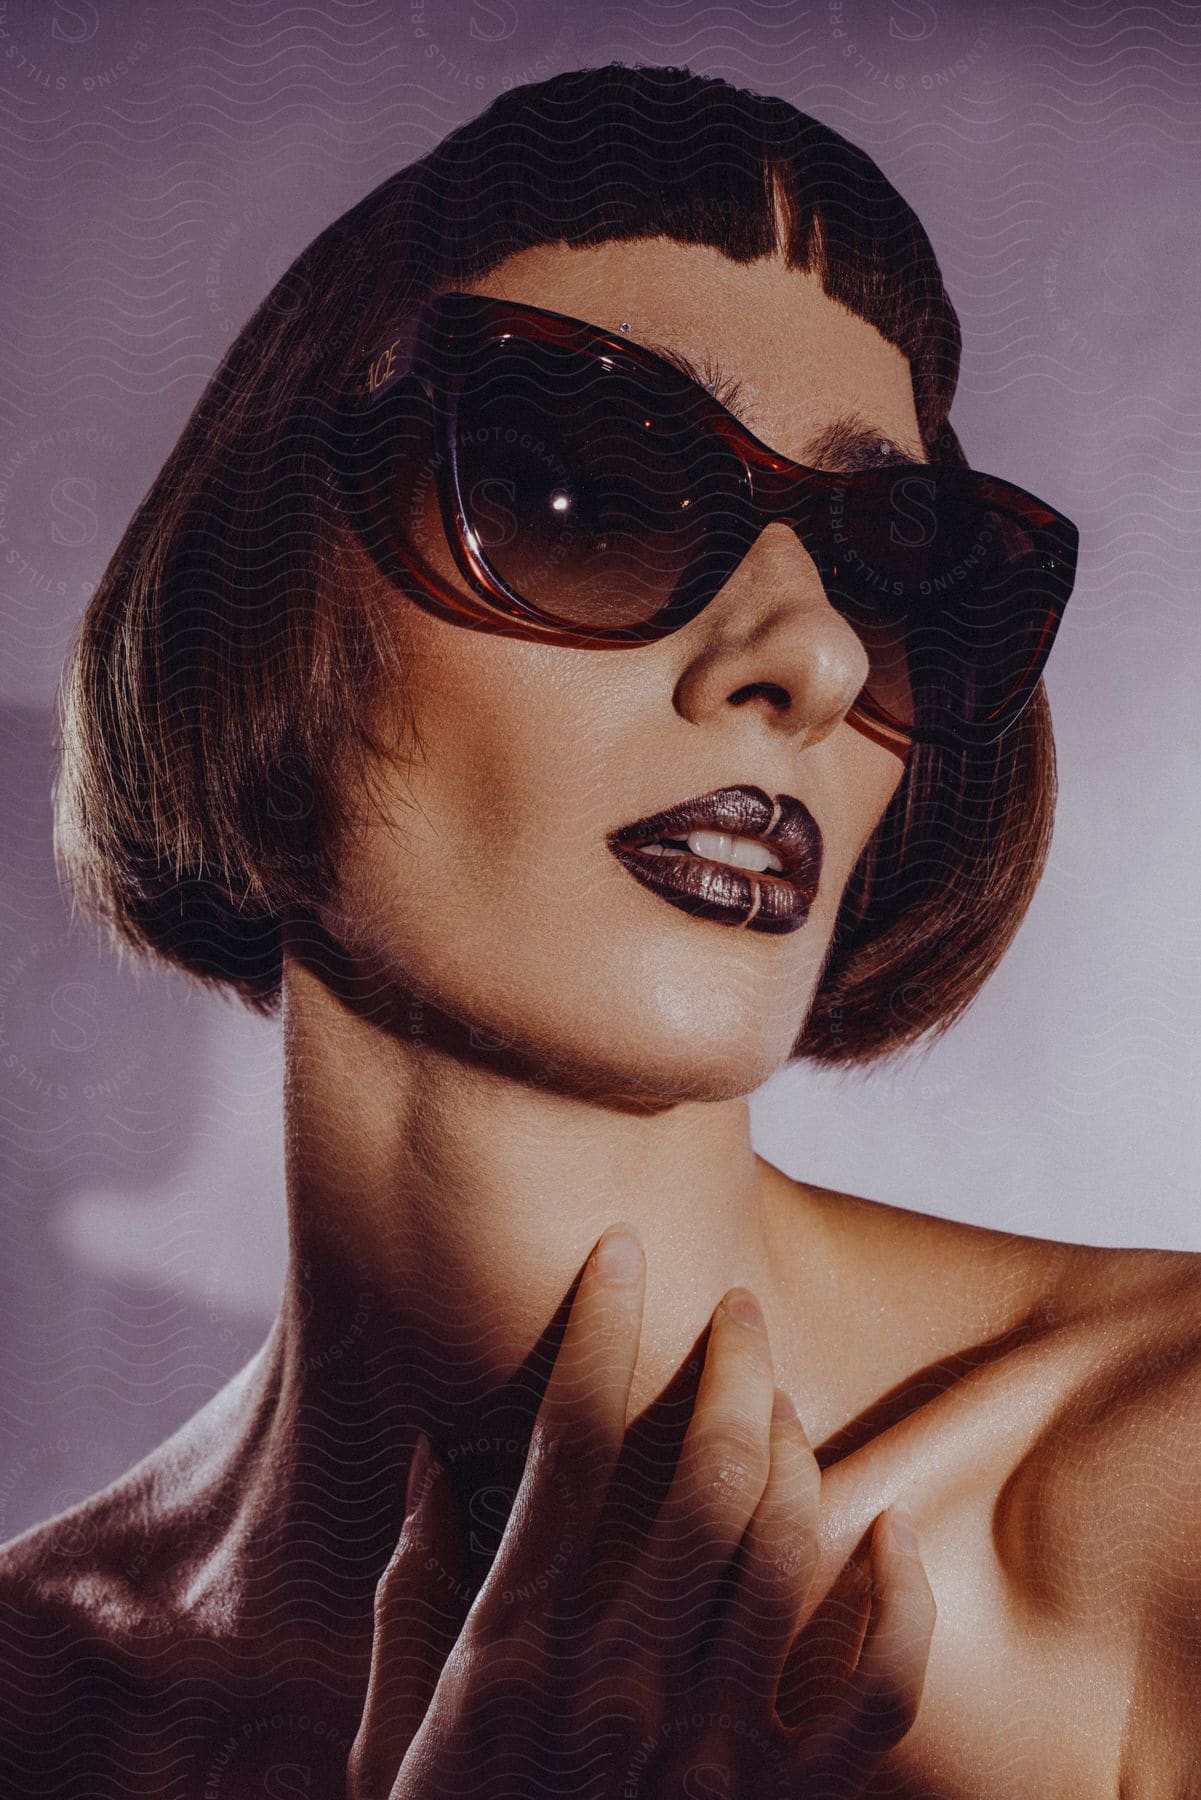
(746, 811)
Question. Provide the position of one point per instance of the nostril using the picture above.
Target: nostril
(778, 695)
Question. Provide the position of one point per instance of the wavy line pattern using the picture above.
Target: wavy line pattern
(162, 166)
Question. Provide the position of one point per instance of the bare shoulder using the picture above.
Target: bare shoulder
(104, 1689)
(974, 1275)
(62, 1660)
(1083, 1492)
(98, 1635)
(1137, 1410)
(1139, 1395)
(1097, 1528)
(1102, 1520)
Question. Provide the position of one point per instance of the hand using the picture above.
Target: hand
(656, 1679)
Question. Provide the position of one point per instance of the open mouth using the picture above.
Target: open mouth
(733, 856)
(723, 847)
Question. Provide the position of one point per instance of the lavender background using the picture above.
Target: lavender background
(162, 165)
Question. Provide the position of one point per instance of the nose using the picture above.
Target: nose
(771, 639)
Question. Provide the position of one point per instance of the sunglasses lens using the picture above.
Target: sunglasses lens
(955, 583)
(588, 488)
(599, 493)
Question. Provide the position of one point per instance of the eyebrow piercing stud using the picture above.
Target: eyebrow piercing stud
(623, 327)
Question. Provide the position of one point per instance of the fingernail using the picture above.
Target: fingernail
(418, 1464)
(904, 1532)
(743, 1306)
(781, 1406)
(619, 1256)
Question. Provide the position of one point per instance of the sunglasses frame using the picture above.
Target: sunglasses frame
(430, 360)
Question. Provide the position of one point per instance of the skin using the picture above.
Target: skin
(498, 1044)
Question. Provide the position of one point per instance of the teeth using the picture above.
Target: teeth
(741, 852)
(724, 847)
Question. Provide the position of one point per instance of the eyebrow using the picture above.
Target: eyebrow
(846, 445)
(849, 443)
(710, 375)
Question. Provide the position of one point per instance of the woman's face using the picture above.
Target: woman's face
(487, 886)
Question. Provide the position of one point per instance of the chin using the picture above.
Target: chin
(650, 1018)
(649, 1081)
(692, 1027)
(665, 1047)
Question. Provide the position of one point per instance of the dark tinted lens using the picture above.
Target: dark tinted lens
(591, 492)
(954, 585)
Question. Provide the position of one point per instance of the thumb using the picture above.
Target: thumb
(421, 1601)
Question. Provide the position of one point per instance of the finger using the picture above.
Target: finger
(577, 1434)
(881, 1699)
(421, 1601)
(778, 1560)
(718, 1482)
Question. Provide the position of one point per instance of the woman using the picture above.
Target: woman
(567, 666)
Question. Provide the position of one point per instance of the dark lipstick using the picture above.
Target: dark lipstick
(767, 901)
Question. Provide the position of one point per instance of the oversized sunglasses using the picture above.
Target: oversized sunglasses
(591, 492)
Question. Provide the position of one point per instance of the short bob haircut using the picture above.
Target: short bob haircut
(221, 690)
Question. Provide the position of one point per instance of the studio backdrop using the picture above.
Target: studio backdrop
(163, 164)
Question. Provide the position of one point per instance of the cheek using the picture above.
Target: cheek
(504, 777)
(854, 782)
(505, 749)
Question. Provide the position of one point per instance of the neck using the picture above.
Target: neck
(442, 1203)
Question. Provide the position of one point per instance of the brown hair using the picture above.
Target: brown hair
(220, 692)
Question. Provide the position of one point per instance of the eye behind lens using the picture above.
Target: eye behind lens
(590, 496)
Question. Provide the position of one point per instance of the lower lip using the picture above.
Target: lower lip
(711, 890)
